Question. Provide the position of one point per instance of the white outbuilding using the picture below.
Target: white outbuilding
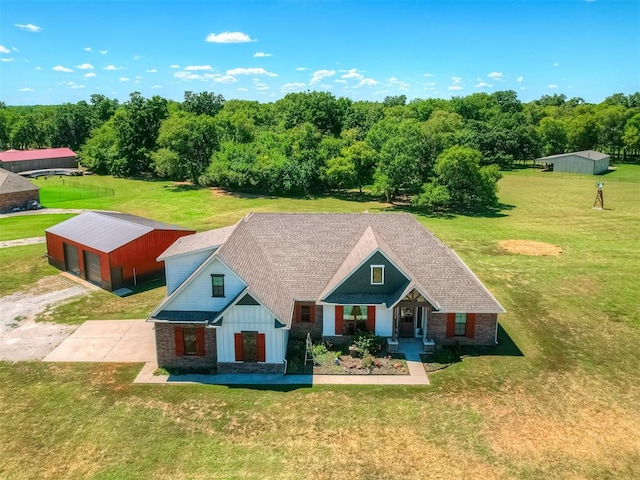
(587, 162)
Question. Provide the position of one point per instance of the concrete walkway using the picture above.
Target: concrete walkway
(417, 376)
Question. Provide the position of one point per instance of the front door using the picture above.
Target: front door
(406, 322)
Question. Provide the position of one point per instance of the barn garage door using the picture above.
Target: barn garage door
(71, 263)
(92, 268)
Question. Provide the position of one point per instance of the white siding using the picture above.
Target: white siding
(179, 268)
(384, 321)
(197, 294)
(328, 320)
(251, 318)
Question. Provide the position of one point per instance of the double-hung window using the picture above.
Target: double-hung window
(217, 285)
(461, 324)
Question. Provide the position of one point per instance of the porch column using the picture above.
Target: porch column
(394, 324)
(425, 325)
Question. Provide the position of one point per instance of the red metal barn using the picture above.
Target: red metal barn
(111, 250)
(17, 161)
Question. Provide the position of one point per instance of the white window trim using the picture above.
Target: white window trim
(377, 266)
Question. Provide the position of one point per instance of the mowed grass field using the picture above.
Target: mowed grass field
(558, 399)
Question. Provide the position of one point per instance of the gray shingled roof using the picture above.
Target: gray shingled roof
(586, 154)
(12, 183)
(295, 256)
(198, 242)
(106, 231)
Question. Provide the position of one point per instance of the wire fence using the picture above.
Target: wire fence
(605, 177)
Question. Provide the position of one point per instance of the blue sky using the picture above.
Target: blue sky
(63, 51)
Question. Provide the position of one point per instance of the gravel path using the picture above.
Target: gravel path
(21, 338)
(22, 241)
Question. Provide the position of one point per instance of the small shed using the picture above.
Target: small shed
(16, 191)
(111, 250)
(17, 161)
(588, 162)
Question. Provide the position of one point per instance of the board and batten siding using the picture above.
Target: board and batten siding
(178, 269)
(196, 295)
(251, 318)
(384, 321)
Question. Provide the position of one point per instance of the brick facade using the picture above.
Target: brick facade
(17, 199)
(250, 367)
(166, 349)
(299, 329)
(485, 331)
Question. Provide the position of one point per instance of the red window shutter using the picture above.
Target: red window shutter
(339, 320)
(371, 318)
(200, 342)
(238, 341)
(451, 325)
(471, 325)
(262, 357)
(297, 313)
(178, 335)
(312, 313)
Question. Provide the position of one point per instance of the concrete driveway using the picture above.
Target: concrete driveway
(108, 341)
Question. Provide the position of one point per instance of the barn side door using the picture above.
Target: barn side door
(71, 261)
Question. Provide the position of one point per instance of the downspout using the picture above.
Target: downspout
(286, 364)
(496, 338)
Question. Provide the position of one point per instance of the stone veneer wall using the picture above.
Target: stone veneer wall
(247, 367)
(166, 349)
(485, 333)
(299, 330)
(17, 199)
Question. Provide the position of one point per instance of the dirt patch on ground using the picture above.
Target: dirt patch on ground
(529, 247)
(22, 241)
(21, 338)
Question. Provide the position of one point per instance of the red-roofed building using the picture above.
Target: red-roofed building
(17, 161)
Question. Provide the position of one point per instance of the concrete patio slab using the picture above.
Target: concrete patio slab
(108, 341)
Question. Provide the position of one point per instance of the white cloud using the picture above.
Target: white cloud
(340, 81)
(4, 49)
(228, 37)
(28, 27)
(152, 70)
(104, 52)
(215, 77)
(520, 79)
(455, 87)
(7, 59)
(193, 68)
(353, 73)
(112, 68)
(552, 85)
(556, 64)
(262, 87)
(85, 66)
(251, 71)
(174, 66)
(76, 86)
(25, 89)
(242, 89)
(60, 68)
(301, 69)
(371, 82)
(428, 75)
(287, 87)
(495, 75)
(87, 49)
(318, 75)
(124, 79)
(262, 54)
(156, 86)
(482, 85)
(224, 79)
(90, 75)
(456, 81)
(38, 68)
(137, 57)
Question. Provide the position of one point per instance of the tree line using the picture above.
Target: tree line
(443, 153)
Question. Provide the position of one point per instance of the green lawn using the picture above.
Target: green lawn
(563, 402)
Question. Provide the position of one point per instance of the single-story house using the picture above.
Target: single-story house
(587, 162)
(111, 250)
(236, 294)
(17, 161)
(16, 191)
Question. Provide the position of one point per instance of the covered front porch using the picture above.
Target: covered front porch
(410, 322)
